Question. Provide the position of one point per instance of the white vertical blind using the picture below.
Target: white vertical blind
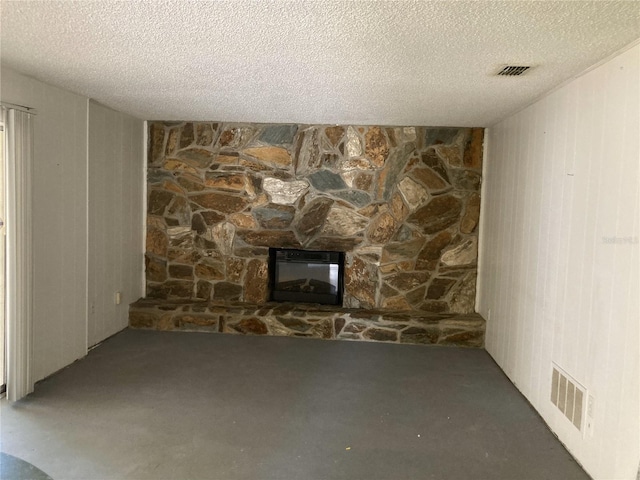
(19, 255)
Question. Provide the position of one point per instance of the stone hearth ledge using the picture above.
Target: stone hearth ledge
(307, 320)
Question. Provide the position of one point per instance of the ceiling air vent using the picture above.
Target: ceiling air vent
(513, 70)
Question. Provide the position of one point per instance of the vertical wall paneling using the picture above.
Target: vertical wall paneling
(559, 260)
(115, 218)
(87, 184)
(59, 220)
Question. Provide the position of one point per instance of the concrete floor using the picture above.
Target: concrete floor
(160, 405)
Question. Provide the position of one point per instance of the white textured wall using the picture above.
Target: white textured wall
(559, 256)
(115, 218)
(60, 220)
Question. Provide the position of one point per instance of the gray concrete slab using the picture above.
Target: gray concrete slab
(168, 405)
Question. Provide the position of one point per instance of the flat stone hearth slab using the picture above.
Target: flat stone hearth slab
(306, 320)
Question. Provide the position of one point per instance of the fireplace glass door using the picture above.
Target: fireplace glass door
(306, 276)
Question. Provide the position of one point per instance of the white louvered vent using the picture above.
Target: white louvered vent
(569, 396)
(513, 70)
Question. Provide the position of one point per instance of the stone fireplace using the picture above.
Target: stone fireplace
(401, 203)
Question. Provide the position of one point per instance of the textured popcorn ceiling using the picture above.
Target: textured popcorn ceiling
(353, 62)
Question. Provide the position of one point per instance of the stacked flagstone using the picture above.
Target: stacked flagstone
(312, 321)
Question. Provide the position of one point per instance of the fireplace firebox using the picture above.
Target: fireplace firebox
(306, 276)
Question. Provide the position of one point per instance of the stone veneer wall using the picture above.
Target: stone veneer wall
(402, 203)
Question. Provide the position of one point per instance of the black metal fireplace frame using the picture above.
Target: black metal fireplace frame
(306, 256)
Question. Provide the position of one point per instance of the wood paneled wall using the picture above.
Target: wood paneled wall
(116, 192)
(88, 195)
(558, 279)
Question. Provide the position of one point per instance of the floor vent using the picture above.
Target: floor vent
(568, 395)
(513, 70)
